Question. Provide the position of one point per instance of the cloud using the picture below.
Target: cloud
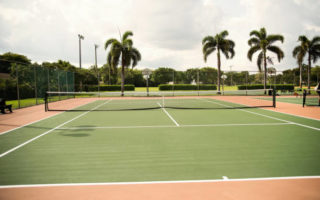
(167, 33)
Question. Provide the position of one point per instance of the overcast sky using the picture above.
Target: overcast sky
(168, 33)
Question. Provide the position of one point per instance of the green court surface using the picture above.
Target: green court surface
(161, 144)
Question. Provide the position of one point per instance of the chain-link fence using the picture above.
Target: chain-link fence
(27, 84)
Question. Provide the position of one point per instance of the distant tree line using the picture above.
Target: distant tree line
(163, 75)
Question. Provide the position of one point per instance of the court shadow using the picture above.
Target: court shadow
(75, 134)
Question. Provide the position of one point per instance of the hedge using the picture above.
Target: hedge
(164, 87)
(282, 87)
(111, 88)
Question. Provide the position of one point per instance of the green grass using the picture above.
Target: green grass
(144, 89)
(156, 89)
(160, 150)
(293, 100)
(24, 102)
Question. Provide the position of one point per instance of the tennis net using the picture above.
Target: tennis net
(113, 101)
(311, 98)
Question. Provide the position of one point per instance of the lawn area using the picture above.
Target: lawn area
(24, 102)
(155, 89)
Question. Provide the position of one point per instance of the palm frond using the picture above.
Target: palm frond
(227, 47)
(224, 34)
(208, 52)
(263, 33)
(296, 51)
(255, 33)
(208, 45)
(252, 50)
(208, 39)
(315, 40)
(126, 35)
(108, 42)
(253, 41)
(303, 39)
(136, 56)
(274, 38)
(127, 43)
(277, 51)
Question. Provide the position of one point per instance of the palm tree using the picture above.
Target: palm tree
(299, 52)
(221, 44)
(122, 51)
(263, 42)
(312, 47)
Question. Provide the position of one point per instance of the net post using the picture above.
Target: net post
(274, 97)
(304, 98)
(163, 100)
(46, 102)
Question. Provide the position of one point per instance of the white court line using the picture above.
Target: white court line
(45, 133)
(164, 110)
(162, 182)
(169, 126)
(311, 127)
(40, 119)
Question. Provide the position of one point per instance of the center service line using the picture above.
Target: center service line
(164, 110)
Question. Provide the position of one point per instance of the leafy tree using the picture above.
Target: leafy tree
(191, 75)
(312, 48)
(162, 75)
(108, 74)
(218, 43)
(135, 77)
(315, 74)
(261, 41)
(7, 59)
(124, 49)
(208, 75)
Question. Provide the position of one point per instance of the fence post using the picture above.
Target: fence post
(173, 83)
(18, 93)
(198, 81)
(35, 84)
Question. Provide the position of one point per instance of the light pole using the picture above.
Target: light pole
(95, 56)
(80, 38)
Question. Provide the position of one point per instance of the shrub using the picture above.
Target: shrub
(110, 88)
(164, 87)
(282, 87)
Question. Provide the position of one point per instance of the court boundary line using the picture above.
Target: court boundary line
(164, 110)
(49, 131)
(163, 182)
(298, 124)
(8, 131)
(292, 114)
(171, 126)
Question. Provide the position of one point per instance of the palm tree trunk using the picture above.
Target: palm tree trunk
(122, 78)
(219, 65)
(265, 70)
(309, 69)
(300, 67)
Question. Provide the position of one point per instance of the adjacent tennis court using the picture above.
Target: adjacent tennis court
(202, 138)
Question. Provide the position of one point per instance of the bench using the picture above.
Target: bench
(4, 106)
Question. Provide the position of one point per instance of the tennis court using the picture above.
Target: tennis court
(207, 138)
